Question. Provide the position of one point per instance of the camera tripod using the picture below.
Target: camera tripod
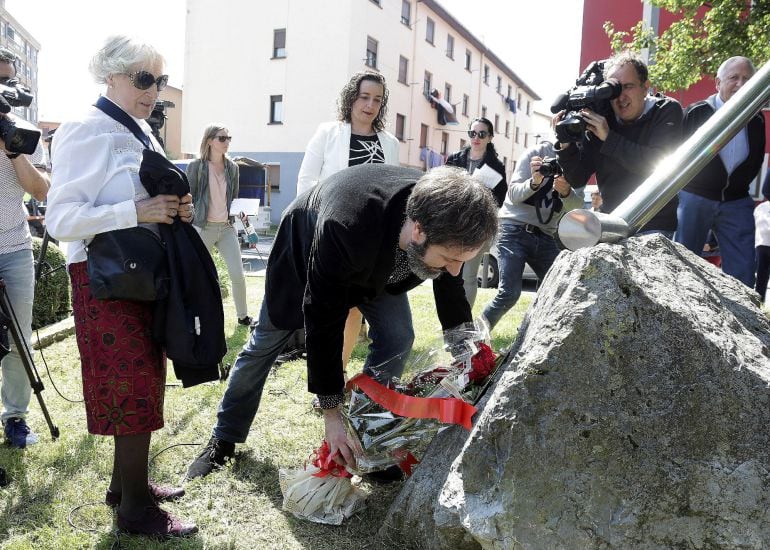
(9, 323)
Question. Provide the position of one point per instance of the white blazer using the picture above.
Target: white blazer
(328, 152)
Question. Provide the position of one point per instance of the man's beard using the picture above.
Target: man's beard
(414, 256)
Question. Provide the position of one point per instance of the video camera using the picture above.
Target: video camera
(590, 90)
(19, 137)
(157, 118)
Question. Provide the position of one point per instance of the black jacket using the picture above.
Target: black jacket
(713, 182)
(460, 159)
(190, 322)
(335, 249)
(627, 157)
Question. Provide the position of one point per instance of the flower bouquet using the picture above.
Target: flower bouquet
(393, 422)
(323, 492)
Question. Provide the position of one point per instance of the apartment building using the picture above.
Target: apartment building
(17, 39)
(272, 72)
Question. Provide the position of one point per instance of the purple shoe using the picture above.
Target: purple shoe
(156, 522)
(158, 492)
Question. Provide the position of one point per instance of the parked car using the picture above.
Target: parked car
(493, 270)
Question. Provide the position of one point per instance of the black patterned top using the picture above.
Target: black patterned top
(365, 150)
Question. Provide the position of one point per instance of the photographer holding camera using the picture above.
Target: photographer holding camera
(536, 199)
(624, 145)
(18, 174)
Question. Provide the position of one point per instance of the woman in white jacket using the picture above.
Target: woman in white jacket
(358, 136)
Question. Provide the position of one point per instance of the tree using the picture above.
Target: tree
(706, 34)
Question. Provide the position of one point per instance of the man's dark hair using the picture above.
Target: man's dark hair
(453, 209)
(7, 56)
(627, 58)
(349, 94)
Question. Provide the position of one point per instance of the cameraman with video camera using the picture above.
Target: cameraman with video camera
(623, 144)
(18, 174)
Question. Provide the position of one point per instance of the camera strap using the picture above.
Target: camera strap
(548, 200)
(119, 115)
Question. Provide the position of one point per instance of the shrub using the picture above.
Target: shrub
(224, 276)
(52, 291)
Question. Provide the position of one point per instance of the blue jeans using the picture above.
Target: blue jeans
(390, 322)
(516, 247)
(733, 225)
(18, 272)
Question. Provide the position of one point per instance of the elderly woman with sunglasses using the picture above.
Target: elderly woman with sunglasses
(480, 153)
(96, 188)
(214, 184)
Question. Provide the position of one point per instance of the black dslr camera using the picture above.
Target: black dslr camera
(590, 90)
(22, 138)
(550, 167)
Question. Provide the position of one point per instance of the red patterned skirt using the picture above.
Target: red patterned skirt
(124, 371)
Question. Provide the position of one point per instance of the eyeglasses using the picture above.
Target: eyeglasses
(223, 139)
(482, 134)
(143, 80)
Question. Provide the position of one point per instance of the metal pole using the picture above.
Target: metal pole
(581, 228)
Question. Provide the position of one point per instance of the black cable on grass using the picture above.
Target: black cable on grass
(48, 371)
(156, 455)
(75, 509)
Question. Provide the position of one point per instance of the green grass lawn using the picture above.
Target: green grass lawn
(55, 499)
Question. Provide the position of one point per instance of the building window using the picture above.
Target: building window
(468, 57)
(528, 106)
(444, 142)
(518, 100)
(427, 83)
(466, 100)
(276, 109)
(526, 139)
(423, 135)
(406, 12)
(486, 75)
(497, 124)
(448, 92)
(403, 68)
(371, 52)
(516, 134)
(510, 90)
(377, 2)
(430, 30)
(484, 111)
(499, 84)
(400, 125)
(274, 176)
(450, 46)
(513, 166)
(279, 43)
(507, 128)
(505, 163)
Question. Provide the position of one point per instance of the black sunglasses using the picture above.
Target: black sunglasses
(222, 139)
(143, 80)
(473, 133)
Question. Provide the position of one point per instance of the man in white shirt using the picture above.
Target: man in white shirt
(718, 197)
(18, 174)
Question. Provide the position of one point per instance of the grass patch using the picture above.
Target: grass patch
(55, 483)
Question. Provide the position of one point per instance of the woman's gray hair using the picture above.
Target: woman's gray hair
(121, 53)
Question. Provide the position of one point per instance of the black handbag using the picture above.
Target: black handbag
(128, 264)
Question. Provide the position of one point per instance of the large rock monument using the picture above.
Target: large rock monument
(634, 413)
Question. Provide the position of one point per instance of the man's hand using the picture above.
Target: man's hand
(537, 178)
(596, 124)
(561, 184)
(159, 209)
(342, 449)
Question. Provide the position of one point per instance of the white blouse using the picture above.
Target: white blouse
(94, 180)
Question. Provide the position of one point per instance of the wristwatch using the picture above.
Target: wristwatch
(12, 155)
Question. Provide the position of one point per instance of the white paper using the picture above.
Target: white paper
(250, 207)
(488, 176)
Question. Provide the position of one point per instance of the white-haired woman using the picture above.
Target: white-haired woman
(214, 184)
(95, 189)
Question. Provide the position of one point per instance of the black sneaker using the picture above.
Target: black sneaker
(246, 321)
(214, 455)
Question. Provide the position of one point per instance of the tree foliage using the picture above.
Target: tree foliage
(706, 34)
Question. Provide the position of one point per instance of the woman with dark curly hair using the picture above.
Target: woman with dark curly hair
(358, 136)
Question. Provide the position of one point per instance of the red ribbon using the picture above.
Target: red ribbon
(448, 410)
(322, 460)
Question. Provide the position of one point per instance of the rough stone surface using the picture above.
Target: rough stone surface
(634, 413)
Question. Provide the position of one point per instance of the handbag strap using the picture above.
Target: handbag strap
(119, 115)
